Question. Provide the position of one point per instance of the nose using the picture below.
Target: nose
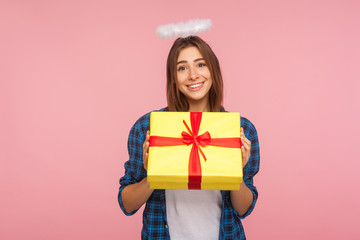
(193, 74)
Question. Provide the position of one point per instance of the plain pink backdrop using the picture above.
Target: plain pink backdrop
(75, 76)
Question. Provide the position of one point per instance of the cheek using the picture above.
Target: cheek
(209, 74)
(178, 84)
(206, 73)
(180, 78)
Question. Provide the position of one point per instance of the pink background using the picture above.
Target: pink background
(75, 76)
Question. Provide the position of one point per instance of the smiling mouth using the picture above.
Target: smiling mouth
(195, 85)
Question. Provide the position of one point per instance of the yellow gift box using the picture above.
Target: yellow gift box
(193, 150)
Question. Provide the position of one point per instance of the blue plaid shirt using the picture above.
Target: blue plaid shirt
(154, 216)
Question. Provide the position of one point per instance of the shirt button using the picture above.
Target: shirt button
(166, 226)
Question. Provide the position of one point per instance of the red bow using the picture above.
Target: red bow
(202, 140)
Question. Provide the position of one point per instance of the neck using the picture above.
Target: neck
(203, 106)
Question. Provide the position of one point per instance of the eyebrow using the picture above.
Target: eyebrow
(184, 61)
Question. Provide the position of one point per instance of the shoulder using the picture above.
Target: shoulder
(142, 124)
(245, 123)
(249, 128)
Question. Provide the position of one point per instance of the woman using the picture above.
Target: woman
(194, 83)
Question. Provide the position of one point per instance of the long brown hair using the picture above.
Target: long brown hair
(175, 99)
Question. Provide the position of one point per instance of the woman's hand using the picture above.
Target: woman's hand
(146, 150)
(245, 148)
(241, 199)
(136, 194)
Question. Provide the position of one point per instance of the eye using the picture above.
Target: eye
(181, 68)
(202, 64)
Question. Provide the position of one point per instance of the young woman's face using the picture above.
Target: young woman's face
(193, 76)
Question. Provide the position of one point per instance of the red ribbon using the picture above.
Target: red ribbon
(196, 140)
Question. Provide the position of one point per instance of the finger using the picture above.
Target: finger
(246, 144)
(147, 138)
(144, 153)
(244, 139)
(146, 147)
(242, 136)
(145, 161)
(244, 154)
(243, 151)
(242, 133)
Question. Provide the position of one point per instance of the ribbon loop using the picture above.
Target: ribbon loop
(204, 139)
(187, 138)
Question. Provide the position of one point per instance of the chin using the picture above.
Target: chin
(197, 98)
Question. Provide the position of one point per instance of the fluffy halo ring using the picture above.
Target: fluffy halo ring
(189, 28)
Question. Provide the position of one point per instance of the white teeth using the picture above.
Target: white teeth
(195, 85)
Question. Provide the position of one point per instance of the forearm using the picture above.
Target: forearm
(241, 199)
(135, 195)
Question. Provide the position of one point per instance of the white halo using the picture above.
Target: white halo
(191, 27)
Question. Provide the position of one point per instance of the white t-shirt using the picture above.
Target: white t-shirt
(193, 214)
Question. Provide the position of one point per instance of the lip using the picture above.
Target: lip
(196, 88)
